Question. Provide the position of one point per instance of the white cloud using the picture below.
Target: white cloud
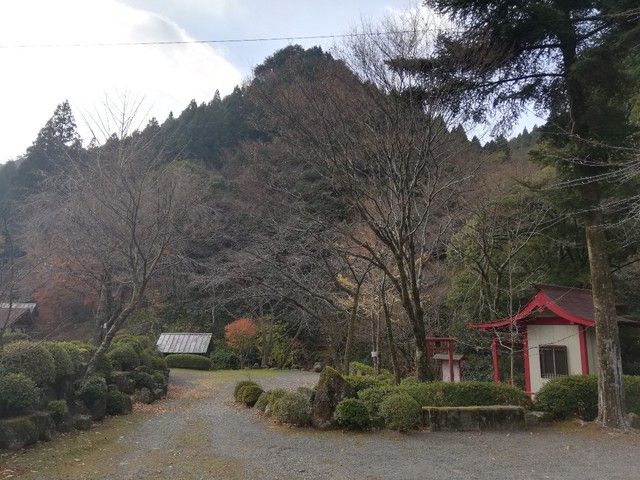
(36, 79)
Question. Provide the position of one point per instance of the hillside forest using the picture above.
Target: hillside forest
(341, 200)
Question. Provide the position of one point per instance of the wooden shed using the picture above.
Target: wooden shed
(196, 343)
(18, 317)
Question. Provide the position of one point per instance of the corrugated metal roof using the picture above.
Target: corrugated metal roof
(184, 342)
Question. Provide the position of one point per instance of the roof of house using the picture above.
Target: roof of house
(445, 356)
(15, 312)
(184, 342)
(573, 304)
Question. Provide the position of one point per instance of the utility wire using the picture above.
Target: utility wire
(221, 41)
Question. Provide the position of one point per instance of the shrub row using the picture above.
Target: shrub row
(577, 396)
(187, 360)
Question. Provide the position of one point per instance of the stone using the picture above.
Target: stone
(17, 432)
(158, 393)
(124, 381)
(461, 419)
(97, 408)
(143, 395)
(82, 422)
(633, 419)
(533, 419)
(127, 404)
(317, 367)
(332, 389)
(44, 424)
(307, 392)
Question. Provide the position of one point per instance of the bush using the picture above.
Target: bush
(357, 368)
(239, 386)
(144, 380)
(17, 394)
(58, 410)
(410, 381)
(632, 393)
(153, 359)
(224, 357)
(187, 360)
(61, 359)
(360, 382)
(373, 397)
(400, 412)
(14, 337)
(352, 413)
(266, 400)
(92, 390)
(123, 357)
(115, 402)
(570, 395)
(30, 359)
(249, 394)
(292, 408)
(74, 353)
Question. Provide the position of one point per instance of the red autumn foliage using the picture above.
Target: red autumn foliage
(240, 332)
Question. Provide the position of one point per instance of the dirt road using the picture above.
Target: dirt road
(197, 433)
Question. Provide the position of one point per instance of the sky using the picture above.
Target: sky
(49, 52)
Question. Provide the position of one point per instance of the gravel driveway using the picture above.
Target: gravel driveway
(197, 433)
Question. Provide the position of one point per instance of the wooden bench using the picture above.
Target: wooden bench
(491, 417)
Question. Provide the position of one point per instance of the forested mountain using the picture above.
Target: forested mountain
(336, 206)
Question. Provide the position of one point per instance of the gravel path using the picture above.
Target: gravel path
(197, 433)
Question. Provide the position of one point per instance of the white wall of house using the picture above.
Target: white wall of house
(566, 335)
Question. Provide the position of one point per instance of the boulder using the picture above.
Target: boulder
(143, 395)
(97, 408)
(158, 393)
(82, 422)
(127, 404)
(533, 419)
(44, 424)
(124, 381)
(317, 367)
(17, 432)
(45, 395)
(332, 389)
(633, 419)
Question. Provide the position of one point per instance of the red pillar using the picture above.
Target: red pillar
(451, 379)
(496, 366)
(527, 371)
(583, 350)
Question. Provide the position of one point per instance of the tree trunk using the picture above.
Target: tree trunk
(392, 346)
(611, 396)
(351, 328)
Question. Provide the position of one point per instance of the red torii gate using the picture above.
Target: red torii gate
(444, 345)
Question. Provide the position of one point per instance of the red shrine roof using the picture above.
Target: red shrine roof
(572, 304)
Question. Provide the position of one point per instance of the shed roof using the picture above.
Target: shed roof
(445, 356)
(11, 314)
(184, 342)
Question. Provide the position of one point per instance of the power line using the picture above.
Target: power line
(220, 41)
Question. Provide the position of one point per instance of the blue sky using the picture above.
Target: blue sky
(41, 68)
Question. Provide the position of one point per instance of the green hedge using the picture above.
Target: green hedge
(124, 357)
(352, 413)
(31, 359)
(577, 395)
(292, 408)
(361, 382)
(187, 360)
(445, 394)
(400, 412)
(249, 394)
(61, 359)
(92, 389)
(224, 357)
(17, 394)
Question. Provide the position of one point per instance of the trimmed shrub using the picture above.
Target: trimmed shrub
(115, 402)
(74, 353)
(266, 399)
(292, 408)
(360, 382)
(632, 393)
(30, 359)
(158, 377)
(373, 397)
(92, 390)
(123, 357)
(153, 359)
(357, 368)
(410, 381)
(144, 380)
(352, 413)
(224, 357)
(187, 360)
(14, 337)
(239, 386)
(400, 412)
(58, 410)
(249, 394)
(61, 359)
(570, 395)
(17, 394)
